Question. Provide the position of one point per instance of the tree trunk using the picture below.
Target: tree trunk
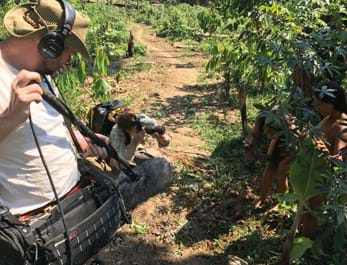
(243, 109)
(303, 80)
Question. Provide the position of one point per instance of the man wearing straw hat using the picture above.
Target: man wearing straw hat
(44, 36)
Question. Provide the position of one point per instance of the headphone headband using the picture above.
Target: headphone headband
(69, 17)
(52, 45)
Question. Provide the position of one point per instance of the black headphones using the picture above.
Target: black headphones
(51, 45)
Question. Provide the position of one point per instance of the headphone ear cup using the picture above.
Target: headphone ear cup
(51, 45)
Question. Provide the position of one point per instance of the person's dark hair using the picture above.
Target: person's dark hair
(331, 92)
(125, 121)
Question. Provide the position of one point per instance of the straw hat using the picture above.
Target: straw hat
(26, 19)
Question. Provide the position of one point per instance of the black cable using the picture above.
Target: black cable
(66, 230)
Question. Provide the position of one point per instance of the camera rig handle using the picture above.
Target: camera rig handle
(61, 107)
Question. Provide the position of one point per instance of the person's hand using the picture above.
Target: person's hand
(163, 139)
(248, 153)
(95, 150)
(91, 149)
(247, 142)
(139, 137)
(322, 147)
(26, 89)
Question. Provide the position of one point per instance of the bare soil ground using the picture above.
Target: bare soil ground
(169, 89)
(176, 227)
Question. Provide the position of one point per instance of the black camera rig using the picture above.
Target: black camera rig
(149, 125)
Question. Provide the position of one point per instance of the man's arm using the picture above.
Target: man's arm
(25, 89)
(89, 148)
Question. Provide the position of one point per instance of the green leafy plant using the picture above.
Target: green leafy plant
(306, 172)
(174, 21)
(100, 85)
(140, 229)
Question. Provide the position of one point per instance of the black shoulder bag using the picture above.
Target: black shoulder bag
(101, 117)
(80, 224)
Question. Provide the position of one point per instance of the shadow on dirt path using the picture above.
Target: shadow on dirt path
(170, 90)
(177, 227)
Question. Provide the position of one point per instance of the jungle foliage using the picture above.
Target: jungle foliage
(284, 48)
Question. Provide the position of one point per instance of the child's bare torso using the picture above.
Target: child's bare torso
(333, 131)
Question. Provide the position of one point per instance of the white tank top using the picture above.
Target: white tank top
(24, 184)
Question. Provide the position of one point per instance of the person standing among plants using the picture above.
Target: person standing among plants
(330, 102)
(256, 143)
(277, 156)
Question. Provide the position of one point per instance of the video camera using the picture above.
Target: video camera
(149, 125)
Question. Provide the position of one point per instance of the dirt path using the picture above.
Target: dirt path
(168, 90)
(163, 230)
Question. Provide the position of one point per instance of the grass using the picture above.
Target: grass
(254, 235)
(136, 65)
(139, 229)
(213, 130)
(249, 234)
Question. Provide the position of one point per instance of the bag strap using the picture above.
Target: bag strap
(69, 117)
(67, 122)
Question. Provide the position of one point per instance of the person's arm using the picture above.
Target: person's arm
(253, 140)
(256, 134)
(340, 146)
(283, 167)
(25, 89)
(118, 142)
(89, 148)
(8, 122)
(137, 139)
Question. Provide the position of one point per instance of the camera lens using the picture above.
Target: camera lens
(157, 129)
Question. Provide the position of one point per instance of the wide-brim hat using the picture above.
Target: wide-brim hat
(47, 15)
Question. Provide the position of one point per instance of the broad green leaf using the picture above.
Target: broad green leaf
(339, 237)
(340, 217)
(288, 197)
(268, 119)
(307, 170)
(81, 71)
(99, 88)
(301, 244)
